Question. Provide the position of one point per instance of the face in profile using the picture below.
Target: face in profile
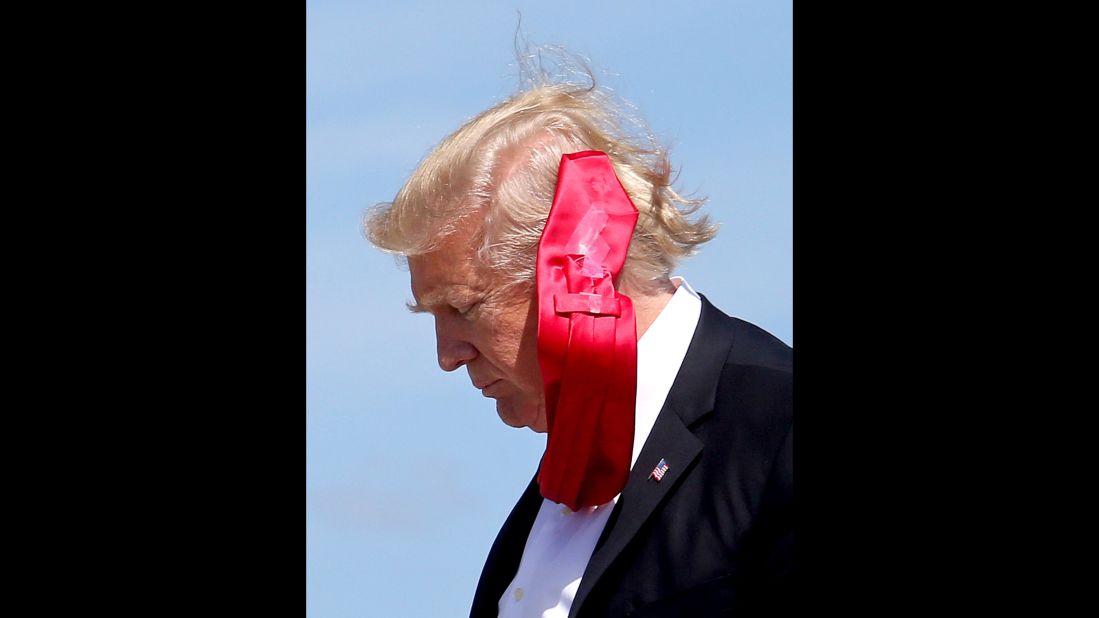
(490, 331)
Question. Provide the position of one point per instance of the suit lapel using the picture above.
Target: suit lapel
(507, 550)
(671, 441)
(691, 397)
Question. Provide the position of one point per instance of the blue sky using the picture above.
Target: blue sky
(409, 471)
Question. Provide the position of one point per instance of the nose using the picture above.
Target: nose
(452, 346)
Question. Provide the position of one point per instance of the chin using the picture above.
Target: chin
(520, 416)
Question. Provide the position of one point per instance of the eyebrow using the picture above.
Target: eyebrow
(432, 299)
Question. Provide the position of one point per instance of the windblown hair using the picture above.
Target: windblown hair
(498, 172)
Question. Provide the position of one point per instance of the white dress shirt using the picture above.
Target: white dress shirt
(561, 542)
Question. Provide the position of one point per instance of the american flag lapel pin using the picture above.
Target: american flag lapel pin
(659, 470)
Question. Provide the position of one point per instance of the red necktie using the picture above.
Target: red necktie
(587, 334)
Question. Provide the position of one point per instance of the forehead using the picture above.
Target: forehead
(449, 271)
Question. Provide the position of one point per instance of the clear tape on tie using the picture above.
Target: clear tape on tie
(587, 302)
(586, 241)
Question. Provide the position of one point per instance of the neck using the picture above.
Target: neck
(647, 308)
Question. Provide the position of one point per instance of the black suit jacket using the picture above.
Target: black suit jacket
(715, 536)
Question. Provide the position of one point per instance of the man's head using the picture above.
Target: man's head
(470, 217)
(483, 325)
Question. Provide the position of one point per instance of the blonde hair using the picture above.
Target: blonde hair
(502, 166)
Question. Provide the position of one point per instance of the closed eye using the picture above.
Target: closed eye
(465, 310)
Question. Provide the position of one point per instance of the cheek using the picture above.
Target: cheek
(514, 337)
(506, 341)
(527, 351)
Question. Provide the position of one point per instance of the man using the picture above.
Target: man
(699, 520)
